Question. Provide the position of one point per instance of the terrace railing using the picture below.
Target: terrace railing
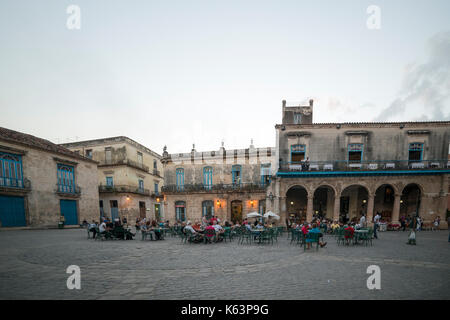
(250, 187)
(372, 165)
(123, 188)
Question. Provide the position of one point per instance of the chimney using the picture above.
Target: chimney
(311, 101)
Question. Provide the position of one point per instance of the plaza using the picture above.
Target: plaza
(33, 265)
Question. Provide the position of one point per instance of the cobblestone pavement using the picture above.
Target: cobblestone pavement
(33, 266)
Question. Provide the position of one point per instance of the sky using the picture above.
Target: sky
(181, 72)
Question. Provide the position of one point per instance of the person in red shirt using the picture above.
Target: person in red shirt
(305, 228)
(349, 233)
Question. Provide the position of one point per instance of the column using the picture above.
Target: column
(337, 207)
(370, 205)
(309, 208)
(396, 210)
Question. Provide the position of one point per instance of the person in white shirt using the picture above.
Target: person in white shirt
(362, 221)
(219, 229)
(375, 226)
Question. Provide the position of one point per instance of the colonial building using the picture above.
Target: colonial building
(227, 184)
(41, 181)
(343, 170)
(129, 177)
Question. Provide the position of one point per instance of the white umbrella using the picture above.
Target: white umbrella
(269, 214)
(253, 214)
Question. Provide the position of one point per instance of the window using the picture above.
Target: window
(155, 165)
(262, 207)
(207, 177)
(208, 209)
(11, 170)
(236, 175)
(140, 158)
(415, 151)
(297, 118)
(265, 174)
(108, 155)
(66, 178)
(180, 211)
(141, 185)
(88, 153)
(180, 178)
(110, 181)
(298, 152)
(156, 188)
(355, 152)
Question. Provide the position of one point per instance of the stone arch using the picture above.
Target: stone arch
(296, 202)
(354, 201)
(384, 201)
(323, 200)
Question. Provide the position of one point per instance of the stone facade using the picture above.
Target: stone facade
(39, 190)
(396, 169)
(225, 183)
(130, 177)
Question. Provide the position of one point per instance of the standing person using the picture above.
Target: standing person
(362, 221)
(376, 220)
(412, 233)
(419, 223)
(436, 223)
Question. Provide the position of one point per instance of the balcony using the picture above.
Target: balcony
(12, 185)
(123, 189)
(73, 191)
(215, 188)
(352, 168)
(126, 162)
(156, 172)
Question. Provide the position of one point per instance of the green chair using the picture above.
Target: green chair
(312, 237)
(227, 234)
(340, 236)
(266, 235)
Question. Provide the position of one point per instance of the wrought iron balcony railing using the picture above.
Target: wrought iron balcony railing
(12, 183)
(123, 188)
(73, 190)
(250, 187)
(375, 165)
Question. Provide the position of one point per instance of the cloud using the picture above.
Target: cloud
(425, 90)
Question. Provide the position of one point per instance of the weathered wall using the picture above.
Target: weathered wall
(42, 202)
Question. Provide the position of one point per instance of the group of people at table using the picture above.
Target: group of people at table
(213, 226)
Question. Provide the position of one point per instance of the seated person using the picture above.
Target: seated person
(156, 230)
(350, 231)
(248, 226)
(207, 232)
(147, 229)
(103, 229)
(259, 226)
(219, 230)
(305, 229)
(317, 231)
(197, 226)
(93, 228)
(197, 236)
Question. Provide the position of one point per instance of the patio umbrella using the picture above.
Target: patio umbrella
(253, 214)
(270, 214)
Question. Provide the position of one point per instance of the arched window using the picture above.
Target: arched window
(10, 170)
(207, 177)
(208, 209)
(66, 178)
(180, 178)
(180, 211)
